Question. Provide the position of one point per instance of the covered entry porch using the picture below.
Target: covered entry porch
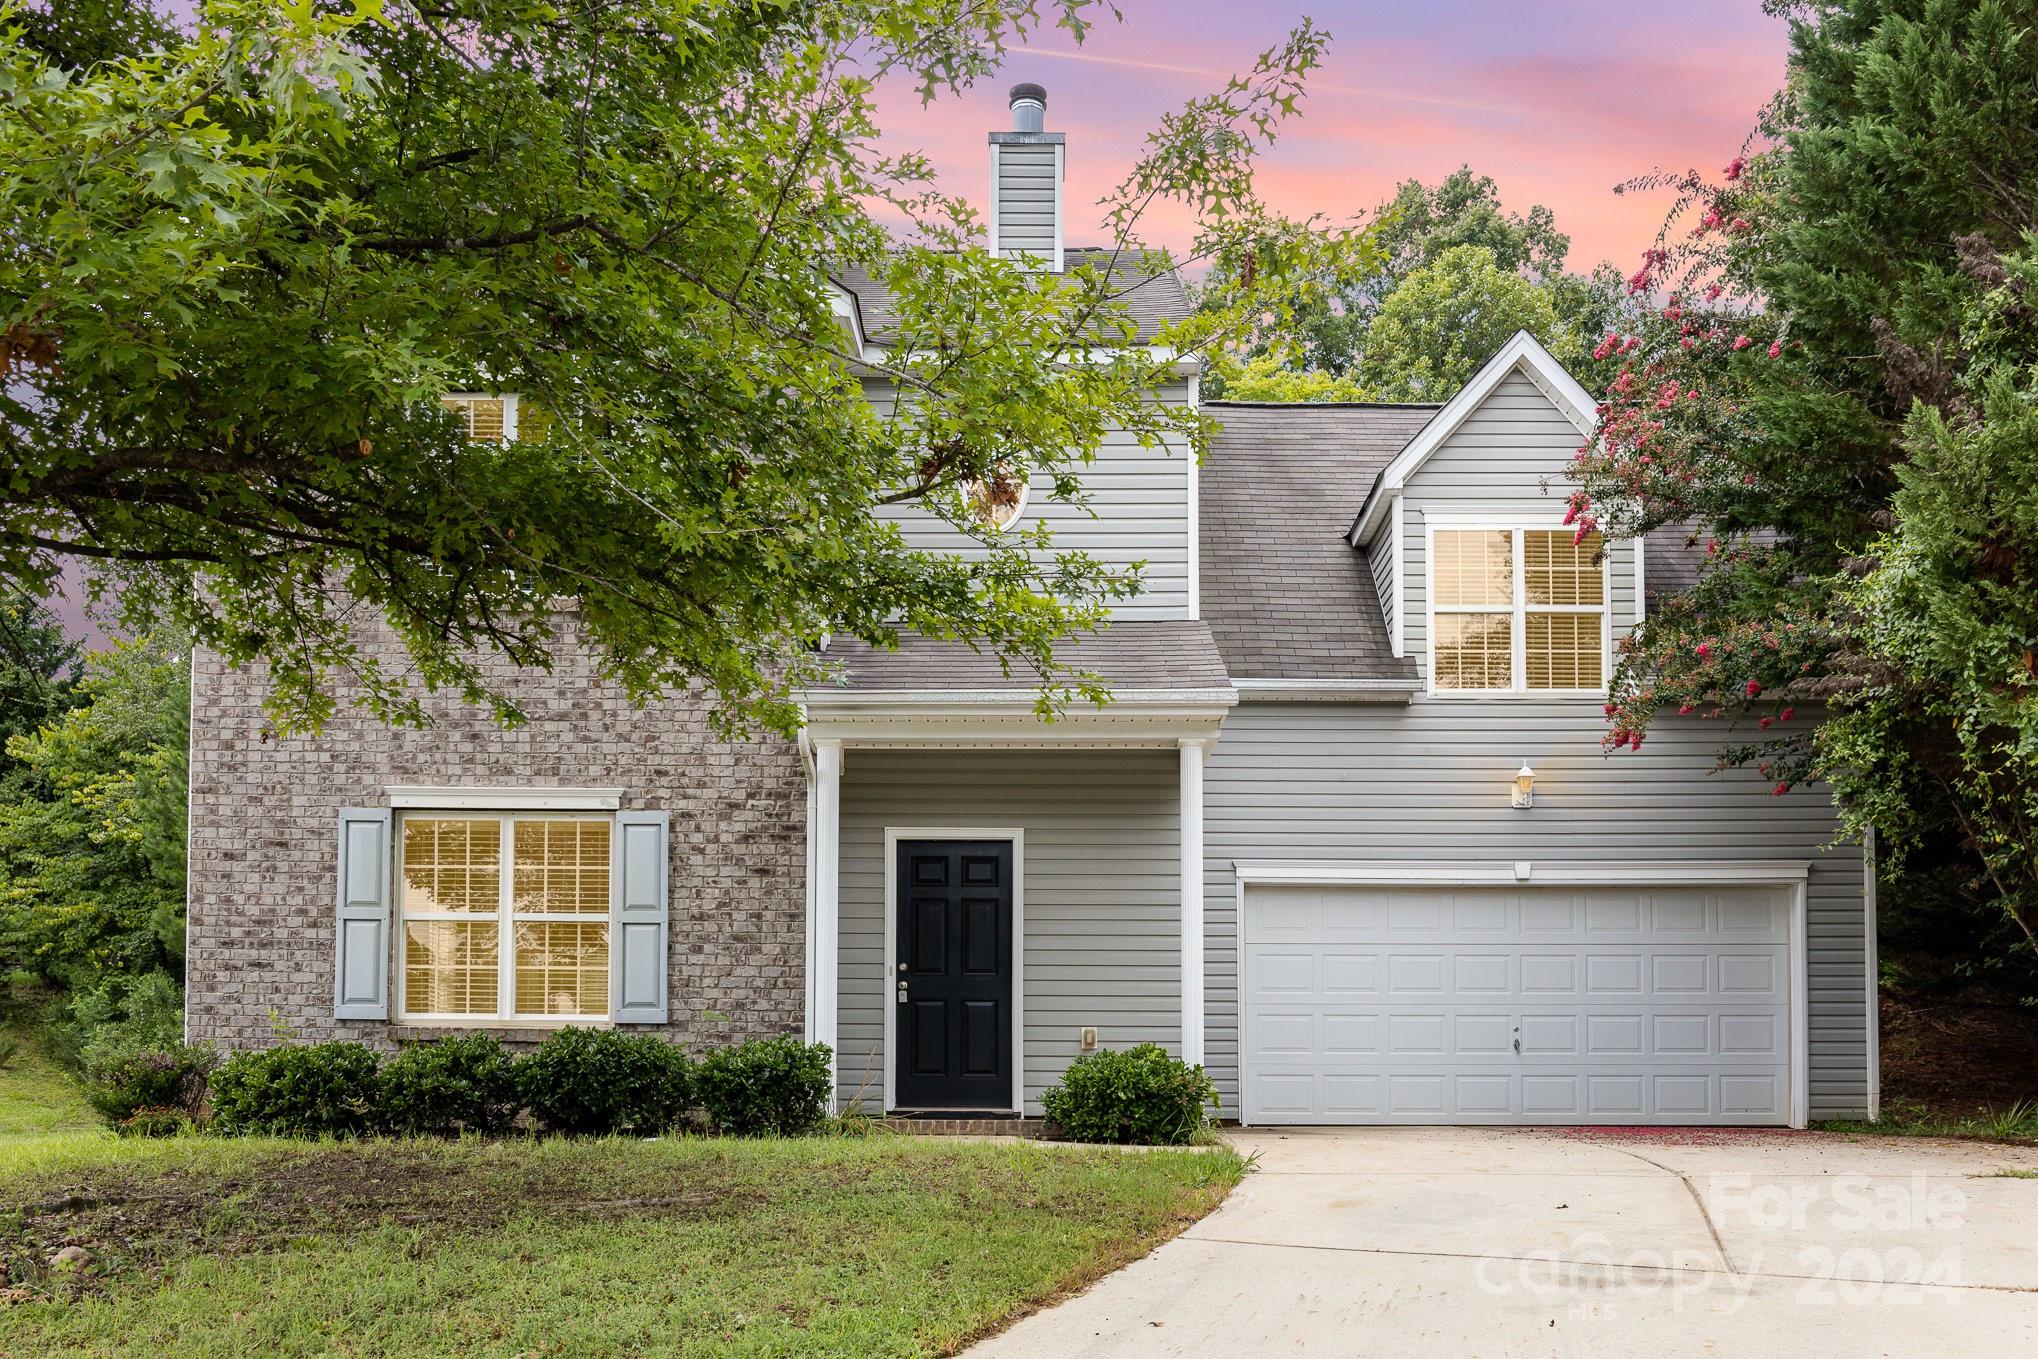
(990, 894)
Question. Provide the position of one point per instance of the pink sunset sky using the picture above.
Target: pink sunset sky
(1557, 101)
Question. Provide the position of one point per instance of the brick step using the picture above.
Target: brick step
(932, 1125)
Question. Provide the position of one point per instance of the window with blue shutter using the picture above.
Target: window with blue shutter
(361, 933)
(639, 930)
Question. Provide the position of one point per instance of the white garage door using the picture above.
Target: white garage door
(1531, 1004)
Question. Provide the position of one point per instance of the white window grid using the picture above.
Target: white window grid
(505, 919)
(1518, 611)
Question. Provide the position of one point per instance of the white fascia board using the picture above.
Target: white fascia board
(1525, 352)
(1779, 872)
(850, 312)
(1129, 702)
(521, 798)
(1013, 722)
(1326, 690)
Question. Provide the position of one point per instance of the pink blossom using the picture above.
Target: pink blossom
(1764, 723)
(1712, 293)
(1779, 790)
(1685, 710)
(1635, 741)
(1786, 714)
(1608, 710)
(1705, 651)
(1776, 349)
(1738, 226)
(1741, 342)
(1734, 168)
(1672, 312)
(1754, 688)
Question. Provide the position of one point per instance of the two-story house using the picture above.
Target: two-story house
(1345, 835)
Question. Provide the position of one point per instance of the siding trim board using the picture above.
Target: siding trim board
(1795, 877)
(1523, 352)
(1016, 835)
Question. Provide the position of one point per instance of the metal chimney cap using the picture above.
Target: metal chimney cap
(1029, 90)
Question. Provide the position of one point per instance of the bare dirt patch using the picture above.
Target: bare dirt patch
(1955, 1058)
(123, 1221)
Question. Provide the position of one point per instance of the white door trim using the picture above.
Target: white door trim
(1017, 836)
(1793, 874)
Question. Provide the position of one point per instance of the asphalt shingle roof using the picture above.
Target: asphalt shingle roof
(1129, 656)
(1149, 298)
(1285, 595)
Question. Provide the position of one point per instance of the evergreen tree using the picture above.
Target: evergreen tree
(1837, 400)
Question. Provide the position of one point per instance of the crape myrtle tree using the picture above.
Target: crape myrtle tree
(248, 252)
(1835, 400)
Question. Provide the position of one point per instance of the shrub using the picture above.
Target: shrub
(146, 1087)
(326, 1088)
(135, 1012)
(771, 1085)
(1139, 1095)
(448, 1086)
(600, 1081)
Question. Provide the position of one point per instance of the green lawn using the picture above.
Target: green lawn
(36, 1095)
(852, 1246)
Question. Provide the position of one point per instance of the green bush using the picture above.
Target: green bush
(1139, 1095)
(448, 1086)
(147, 1087)
(600, 1081)
(323, 1089)
(771, 1085)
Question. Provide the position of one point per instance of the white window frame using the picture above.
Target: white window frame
(510, 412)
(505, 918)
(1515, 526)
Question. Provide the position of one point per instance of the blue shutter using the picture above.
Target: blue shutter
(361, 935)
(637, 933)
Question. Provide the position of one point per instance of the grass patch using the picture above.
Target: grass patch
(37, 1097)
(2015, 1123)
(683, 1247)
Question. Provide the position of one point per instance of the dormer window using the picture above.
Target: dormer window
(1517, 610)
(491, 417)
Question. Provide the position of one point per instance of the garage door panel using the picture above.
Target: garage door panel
(1536, 1004)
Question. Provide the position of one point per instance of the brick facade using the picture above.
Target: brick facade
(264, 843)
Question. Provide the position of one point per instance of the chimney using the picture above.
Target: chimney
(1026, 176)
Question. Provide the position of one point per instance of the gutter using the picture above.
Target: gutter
(1327, 690)
(1130, 702)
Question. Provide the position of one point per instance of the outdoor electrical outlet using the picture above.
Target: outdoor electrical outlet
(1089, 1040)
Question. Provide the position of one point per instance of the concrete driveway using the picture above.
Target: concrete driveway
(1459, 1242)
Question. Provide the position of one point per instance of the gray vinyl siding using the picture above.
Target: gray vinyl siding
(1138, 512)
(1508, 455)
(1381, 563)
(1026, 198)
(1428, 783)
(1100, 883)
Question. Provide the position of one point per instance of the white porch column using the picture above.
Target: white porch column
(824, 842)
(1193, 750)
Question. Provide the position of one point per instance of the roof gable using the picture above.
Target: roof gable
(1523, 353)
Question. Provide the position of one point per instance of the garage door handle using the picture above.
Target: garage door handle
(1517, 1040)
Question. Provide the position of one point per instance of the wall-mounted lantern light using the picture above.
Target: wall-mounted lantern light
(1524, 786)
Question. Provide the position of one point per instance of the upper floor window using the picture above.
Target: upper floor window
(490, 418)
(1517, 610)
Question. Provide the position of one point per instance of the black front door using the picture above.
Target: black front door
(953, 987)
